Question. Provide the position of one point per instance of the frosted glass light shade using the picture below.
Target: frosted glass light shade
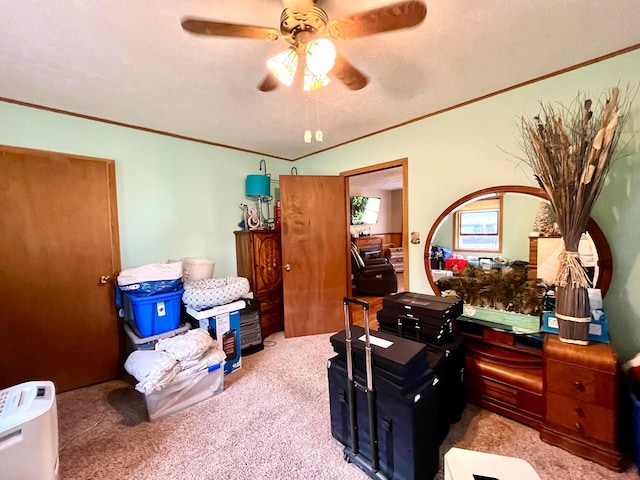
(283, 65)
(321, 55)
(257, 186)
(313, 81)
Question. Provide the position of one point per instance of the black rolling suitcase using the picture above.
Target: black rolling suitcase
(431, 306)
(448, 363)
(385, 418)
(418, 329)
(413, 314)
(425, 318)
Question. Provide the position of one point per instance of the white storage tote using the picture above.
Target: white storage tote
(184, 391)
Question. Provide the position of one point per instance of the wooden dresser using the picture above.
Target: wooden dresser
(570, 393)
(581, 385)
(259, 259)
(504, 374)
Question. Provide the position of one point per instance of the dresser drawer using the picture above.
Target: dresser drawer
(271, 317)
(269, 303)
(582, 419)
(586, 385)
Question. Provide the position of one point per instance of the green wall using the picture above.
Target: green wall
(175, 198)
(178, 198)
(463, 150)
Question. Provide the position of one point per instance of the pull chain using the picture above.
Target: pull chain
(307, 132)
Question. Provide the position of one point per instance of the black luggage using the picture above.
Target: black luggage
(387, 423)
(418, 328)
(429, 319)
(448, 363)
(398, 360)
(407, 429)
(429, 306)
(425, 318)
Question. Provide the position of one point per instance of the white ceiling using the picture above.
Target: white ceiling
(129, 61)
(387, 179)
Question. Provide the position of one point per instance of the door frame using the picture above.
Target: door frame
(401, 162)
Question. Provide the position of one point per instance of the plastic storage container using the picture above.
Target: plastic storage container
(194, 269)
(184, 391)
(151, 279)
(156, 314)
(134, 342)
(636, 429)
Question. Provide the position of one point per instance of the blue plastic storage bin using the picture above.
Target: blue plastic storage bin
(156, 314)
(636, 429)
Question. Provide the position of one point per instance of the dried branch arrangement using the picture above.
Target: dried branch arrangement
(570, 150)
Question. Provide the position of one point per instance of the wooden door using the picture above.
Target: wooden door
(59, 231)
(315, 250)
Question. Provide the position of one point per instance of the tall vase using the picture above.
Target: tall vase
(573, 313)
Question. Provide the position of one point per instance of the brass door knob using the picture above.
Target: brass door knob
(287, 267)
(104, 279)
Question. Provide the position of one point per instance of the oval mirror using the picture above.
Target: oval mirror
(519, 208)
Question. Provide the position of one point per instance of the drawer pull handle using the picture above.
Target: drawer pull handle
(579, 385)
(579, 411)
(579, 426)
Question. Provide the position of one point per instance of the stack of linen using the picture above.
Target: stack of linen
(181, 371)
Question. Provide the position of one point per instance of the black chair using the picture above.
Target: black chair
(375, 277)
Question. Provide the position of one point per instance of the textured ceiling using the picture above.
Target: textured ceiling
(130, 62)
(388, 179)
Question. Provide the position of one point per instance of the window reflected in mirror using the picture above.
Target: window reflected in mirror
(477, 226)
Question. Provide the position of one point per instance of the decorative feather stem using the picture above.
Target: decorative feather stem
(569, 151)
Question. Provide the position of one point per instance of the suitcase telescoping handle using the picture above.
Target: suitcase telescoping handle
(371, 397)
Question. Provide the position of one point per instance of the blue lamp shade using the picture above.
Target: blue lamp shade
(257, 186)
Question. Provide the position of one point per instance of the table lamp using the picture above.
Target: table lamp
(258, 187)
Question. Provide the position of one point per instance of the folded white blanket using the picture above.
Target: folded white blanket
(153, 369)
(188, 346)
(211, 357)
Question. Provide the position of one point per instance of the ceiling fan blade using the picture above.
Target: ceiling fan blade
(348, 74)
(269, 83)
(377, 20)
(221, 29)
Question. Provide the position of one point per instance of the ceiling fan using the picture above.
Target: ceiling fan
(307, 28)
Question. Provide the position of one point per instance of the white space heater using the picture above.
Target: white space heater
(29, 432)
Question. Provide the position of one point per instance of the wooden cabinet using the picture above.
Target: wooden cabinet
(369, 246)
(581, 385)
(504, 372)
(259, 259)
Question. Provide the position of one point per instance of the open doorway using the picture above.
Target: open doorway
(387, 181)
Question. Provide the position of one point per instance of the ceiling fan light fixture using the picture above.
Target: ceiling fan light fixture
(320, 56)
(313, 81)
(283, 65)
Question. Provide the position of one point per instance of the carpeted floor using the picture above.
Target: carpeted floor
(270, 422)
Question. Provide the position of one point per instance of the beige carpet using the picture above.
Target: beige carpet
(270, 422)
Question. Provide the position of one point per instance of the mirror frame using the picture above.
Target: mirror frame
(605, 260)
